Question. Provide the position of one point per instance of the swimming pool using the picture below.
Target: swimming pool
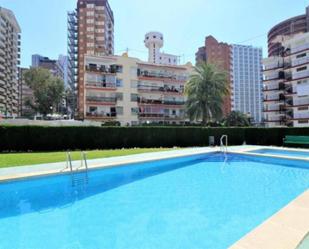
(280, 152)
(203, 201)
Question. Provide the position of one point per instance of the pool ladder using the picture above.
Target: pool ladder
(223, 146)
(79, 176)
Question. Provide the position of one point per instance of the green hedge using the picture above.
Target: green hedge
(38, 138)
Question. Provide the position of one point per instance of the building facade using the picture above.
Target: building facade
(286, 83)
(294, 25)
(9, 61)
(91, 32)
(247, 81)
(132, 92)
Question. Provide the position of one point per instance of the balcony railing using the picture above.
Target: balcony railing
(100, 85)
(300, 75)
(160, 102)
(160, 89)
(300, 61)
(271, 109)
(299, 48)
(301, 116)
(102, 69)
(273, 66)
(101, 115)
(297, 102)
(161, 115)
(101, 99)
(169, 76)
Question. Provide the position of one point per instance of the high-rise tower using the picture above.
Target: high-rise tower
(91, 32)
(9, 61)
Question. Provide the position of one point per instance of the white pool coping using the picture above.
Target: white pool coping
(284, 230)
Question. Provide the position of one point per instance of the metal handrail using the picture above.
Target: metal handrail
(223, 147)
(70, 167)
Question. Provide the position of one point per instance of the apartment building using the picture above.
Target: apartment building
(291, 26)
(286, 83)
(247, 81)
(132, 92)
(9, 61)
(91, 32)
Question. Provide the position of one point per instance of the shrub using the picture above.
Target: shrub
(40, 138)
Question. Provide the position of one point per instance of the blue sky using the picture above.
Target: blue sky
(183, 23)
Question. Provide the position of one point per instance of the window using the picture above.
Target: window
(119, 110)
(301, 55)
(134, 97)
(119, 82)
(135, 111)
(301, 69)
(119, 96)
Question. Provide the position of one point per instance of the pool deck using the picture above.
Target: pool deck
(284, 230)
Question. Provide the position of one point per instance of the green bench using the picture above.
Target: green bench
(296, 140)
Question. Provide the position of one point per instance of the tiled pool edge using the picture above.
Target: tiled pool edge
(285, 229)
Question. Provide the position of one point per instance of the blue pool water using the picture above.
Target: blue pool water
(279, 152)
(197, 202)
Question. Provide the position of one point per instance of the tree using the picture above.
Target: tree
(237, 119)
(47, 90)
(205, 91)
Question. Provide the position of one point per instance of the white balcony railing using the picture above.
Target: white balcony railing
(300, 61)
(299, 48)
(300, 75)
(304, 101)
(273, 66)
(301, 115)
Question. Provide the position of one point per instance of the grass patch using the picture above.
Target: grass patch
(20, 159)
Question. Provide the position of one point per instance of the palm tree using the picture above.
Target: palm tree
(205, 91)
(237, 119)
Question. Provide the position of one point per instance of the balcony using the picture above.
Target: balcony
(271, 98)
(161, 116)
(166, 90)
(300, 75)
(101, 85)
(300, 61)
(299, 48)
(160, 76)
(271, 109)
(298, 102)
(97, 115)
(103, 69)
(273, 66)
(301, 116)
(160, 102)
(107, 100)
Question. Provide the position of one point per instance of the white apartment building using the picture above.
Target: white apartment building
(247, 81)
(132, 92)
(9, 61)
(286, 83)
